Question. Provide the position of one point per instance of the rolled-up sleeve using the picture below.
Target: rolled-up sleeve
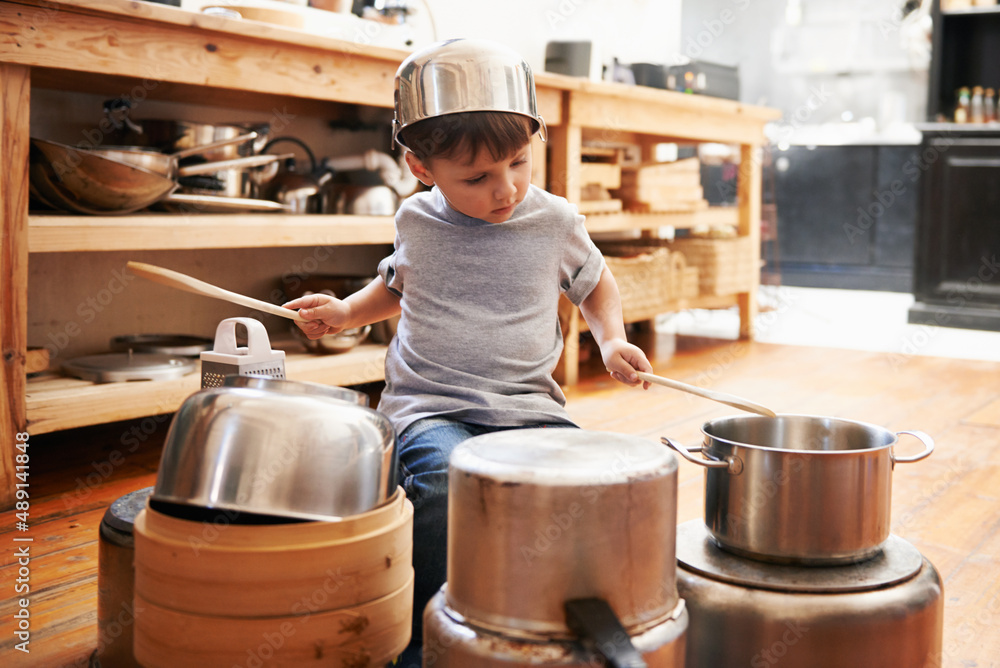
(387, 270)
(582, 263)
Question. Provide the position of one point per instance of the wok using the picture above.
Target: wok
(116, 181)
(85, 182)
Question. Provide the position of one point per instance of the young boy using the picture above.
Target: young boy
(479, 264)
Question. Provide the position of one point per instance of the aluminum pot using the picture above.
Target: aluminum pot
(539, 517)
(276, 450)
(799, 488)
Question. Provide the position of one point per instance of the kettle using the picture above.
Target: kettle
(299, 191)
(370, 184)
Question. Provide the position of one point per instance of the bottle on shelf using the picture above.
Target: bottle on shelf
(976, 108)
(962, 109)
(989, 106)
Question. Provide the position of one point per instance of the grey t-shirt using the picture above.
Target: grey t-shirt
(479, 333)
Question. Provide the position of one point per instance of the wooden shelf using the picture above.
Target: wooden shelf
(625, 221)
(56, 402)
(702, 302)
(54, 233)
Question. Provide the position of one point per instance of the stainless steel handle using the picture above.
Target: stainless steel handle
(920, 436)
(732, 464)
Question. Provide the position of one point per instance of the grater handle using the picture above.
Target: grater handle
(258, 345)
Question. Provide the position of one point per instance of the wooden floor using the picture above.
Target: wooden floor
(948, 505)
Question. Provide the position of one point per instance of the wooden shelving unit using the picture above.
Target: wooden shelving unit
(56, 402)
(106, 46)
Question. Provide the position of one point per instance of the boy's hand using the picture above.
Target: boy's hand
(326, 314)
(622, 360)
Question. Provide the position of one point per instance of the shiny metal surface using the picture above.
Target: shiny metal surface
(81, 181)
(810, 490)
(121, 367)
(540, 516)
(337, 343)
(288, 454)
(738, 625)
(298, 387)
(451, 642)
(896, 562)
(462, 75)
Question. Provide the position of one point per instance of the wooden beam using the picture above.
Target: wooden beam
(56, 233)
(15, 97)
(749, 198)
(154, 51)
(624, 110)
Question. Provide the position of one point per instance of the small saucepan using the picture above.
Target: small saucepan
(799, 488)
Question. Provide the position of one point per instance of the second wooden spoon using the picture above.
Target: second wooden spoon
(721, 397)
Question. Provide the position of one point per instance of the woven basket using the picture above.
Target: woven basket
(725, 266)
(650, 278)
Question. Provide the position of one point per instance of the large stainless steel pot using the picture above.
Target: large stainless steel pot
(273, 449)
(799, 488)
(538, 517)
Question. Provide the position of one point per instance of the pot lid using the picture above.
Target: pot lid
(115, 367)
(122, 512)
(696, 552)
(183, 345)
(556, 456)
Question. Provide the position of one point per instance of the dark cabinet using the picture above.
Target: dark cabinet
(957, 277)
(847, 216)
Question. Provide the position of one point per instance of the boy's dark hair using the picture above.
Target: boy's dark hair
(499, 132)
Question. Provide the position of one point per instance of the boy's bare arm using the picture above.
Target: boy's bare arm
(602, 309)
(328, 315)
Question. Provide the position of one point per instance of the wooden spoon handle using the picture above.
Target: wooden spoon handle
(175, 279)
(721, 397)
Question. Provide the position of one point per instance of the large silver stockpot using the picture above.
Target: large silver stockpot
(278, 448)
(537, 517)
(886, 611)
(799, 488)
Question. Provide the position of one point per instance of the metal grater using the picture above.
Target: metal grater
(228, 359)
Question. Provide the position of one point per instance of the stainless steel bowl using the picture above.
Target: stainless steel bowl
(461, 75)
(278, 452)
(341, 342)
(297, 387)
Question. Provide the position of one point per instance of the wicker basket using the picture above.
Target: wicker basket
(725, 266)
(650, 277)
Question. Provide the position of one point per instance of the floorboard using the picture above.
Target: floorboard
(947, 505)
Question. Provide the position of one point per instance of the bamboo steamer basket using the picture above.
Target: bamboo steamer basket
(370, 634)
(270, 570)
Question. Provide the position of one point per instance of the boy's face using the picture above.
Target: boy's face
(482, 188)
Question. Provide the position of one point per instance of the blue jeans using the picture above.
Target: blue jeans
(424, 449)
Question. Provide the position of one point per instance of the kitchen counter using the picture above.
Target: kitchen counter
(108, 46)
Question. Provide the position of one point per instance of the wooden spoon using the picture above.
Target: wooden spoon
(175, 279)
(721, 397)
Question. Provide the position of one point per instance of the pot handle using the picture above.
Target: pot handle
(920, 436)
(732, 464)
(598, 628)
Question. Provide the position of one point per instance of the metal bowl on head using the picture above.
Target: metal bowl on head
(463, 75)
(266, 450)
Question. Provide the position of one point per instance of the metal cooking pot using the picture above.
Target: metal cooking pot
(799, 488)
(539, 517)
(271, 448)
